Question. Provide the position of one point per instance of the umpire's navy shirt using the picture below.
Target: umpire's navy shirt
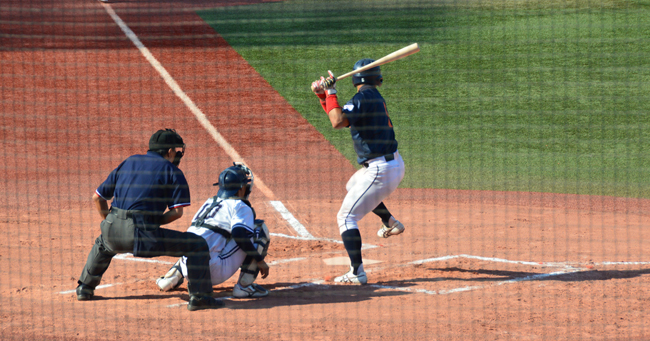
(371, 128)
(146, 183)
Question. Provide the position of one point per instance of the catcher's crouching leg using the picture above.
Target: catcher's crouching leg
(172, 279)
(245, 288)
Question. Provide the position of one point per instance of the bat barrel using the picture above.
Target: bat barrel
(399, 54)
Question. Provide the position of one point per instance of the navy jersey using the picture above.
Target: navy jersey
(370, 127)
(146, 183)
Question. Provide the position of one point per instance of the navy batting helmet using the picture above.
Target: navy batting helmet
(234, 178)
(371, 76)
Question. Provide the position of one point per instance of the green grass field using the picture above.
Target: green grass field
(544, 96)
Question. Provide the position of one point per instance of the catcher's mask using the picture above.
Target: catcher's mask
(371, 76)
(232, 179)
(163, 140)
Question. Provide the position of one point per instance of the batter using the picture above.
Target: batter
(383, 168)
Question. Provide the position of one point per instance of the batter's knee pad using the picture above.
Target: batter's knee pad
(261, 239)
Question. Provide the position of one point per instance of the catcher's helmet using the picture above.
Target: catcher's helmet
(232, 179)
(371, 76)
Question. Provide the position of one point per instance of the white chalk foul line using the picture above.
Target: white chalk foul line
(200, 116)
(303, 234)
(295, 224)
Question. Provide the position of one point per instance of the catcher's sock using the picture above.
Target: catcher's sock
(383, 213)
(352, 243)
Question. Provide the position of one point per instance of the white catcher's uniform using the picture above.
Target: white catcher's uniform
(225, 255)
(368, 187)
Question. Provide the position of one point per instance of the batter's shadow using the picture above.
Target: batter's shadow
(504, 275)
(282, 295)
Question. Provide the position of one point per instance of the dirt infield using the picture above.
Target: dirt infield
(78, 97)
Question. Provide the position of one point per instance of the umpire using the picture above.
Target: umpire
(142, 187)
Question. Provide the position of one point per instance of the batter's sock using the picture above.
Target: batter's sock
(383, 213)
(352, 243)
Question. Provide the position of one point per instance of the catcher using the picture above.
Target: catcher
(235, 238)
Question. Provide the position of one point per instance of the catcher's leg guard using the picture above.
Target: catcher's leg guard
(261, 240)
(172, 279)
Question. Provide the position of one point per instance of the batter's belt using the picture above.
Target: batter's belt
(387, 157)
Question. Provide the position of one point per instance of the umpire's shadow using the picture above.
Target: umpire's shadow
(285, 294)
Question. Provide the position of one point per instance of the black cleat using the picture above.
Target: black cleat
(85, 292)
(198, 302)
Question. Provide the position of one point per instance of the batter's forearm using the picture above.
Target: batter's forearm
(334, 112)
(338, 119)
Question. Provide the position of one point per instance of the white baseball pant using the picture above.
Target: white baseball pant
(225, 255)
(367, 188)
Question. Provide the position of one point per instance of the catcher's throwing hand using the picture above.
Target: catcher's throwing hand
(264, 268)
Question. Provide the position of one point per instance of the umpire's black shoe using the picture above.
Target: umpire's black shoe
(198, 302)
(85, 292)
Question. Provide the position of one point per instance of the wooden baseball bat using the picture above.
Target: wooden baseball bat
(399, 54)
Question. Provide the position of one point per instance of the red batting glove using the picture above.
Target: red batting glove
(331, 102)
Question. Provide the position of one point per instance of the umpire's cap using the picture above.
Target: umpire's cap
(165, 139)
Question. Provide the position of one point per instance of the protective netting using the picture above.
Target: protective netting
(523, 126)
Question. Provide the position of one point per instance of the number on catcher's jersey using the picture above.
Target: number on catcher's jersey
(202, 214)
(225, 214)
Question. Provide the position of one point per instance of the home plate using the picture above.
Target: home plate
(346, 261)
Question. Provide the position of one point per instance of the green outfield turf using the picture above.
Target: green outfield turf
(545, 96)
